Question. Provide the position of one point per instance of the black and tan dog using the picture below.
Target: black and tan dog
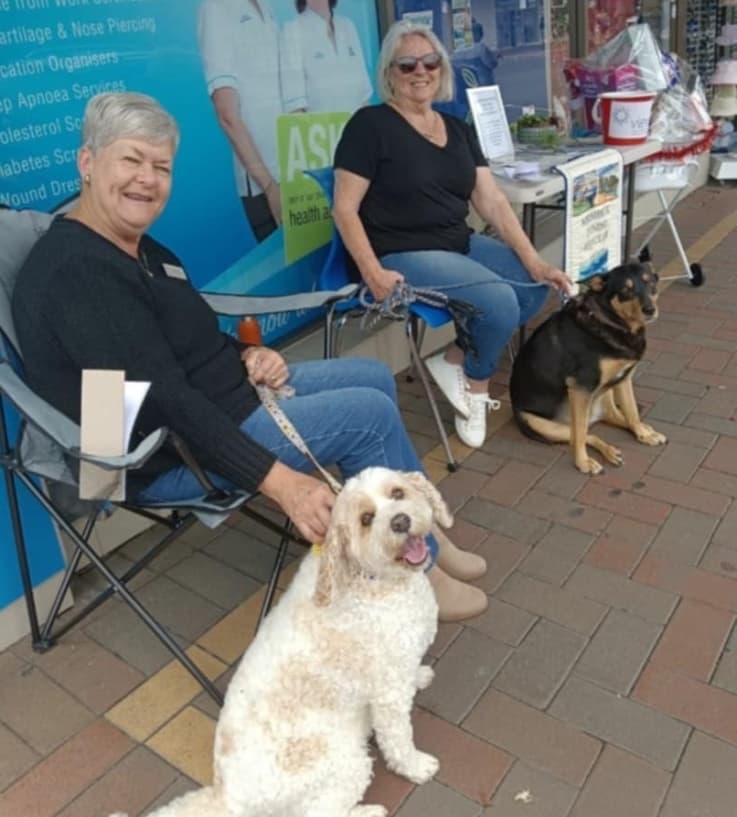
(577, 367)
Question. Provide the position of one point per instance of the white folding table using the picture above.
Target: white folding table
(531, 194)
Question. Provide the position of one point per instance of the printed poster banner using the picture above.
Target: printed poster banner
(306, 142)
(201, 59)
(593, 227)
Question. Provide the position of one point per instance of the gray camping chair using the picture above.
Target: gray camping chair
(46, 440)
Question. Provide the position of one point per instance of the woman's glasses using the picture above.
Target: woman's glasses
(408, 65)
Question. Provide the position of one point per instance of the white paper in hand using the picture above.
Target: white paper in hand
(133, 397)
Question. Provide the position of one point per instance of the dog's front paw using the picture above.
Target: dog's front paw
(613, 455)
(649, 436)
(424, 677)
(419, 767)
(589, 465)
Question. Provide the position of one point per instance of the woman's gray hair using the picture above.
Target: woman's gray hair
(389, 47)
(109, 117)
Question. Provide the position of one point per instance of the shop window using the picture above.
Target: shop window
(504, 42)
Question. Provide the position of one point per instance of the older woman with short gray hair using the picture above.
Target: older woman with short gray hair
(404, 177)
(109, 117)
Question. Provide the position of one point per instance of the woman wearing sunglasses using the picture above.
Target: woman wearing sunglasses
(404, 178)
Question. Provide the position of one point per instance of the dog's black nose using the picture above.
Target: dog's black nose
(400, 523)
(648, 310)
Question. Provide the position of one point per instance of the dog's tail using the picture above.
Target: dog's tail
(526, 428)
(201, 803)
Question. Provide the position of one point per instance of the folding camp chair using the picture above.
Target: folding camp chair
(335, 275)
(46, 440)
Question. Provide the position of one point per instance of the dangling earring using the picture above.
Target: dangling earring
(86, 178)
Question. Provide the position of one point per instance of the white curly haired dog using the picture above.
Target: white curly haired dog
(338, 657)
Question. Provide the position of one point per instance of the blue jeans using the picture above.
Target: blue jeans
(481, 279)
(345, 410)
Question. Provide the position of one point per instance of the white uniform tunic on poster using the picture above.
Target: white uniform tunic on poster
(240, 49)
(593, 228)
(318, 74)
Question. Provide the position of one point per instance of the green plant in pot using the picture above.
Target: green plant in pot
(538, 129)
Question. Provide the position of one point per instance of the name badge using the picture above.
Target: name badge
(173, 271)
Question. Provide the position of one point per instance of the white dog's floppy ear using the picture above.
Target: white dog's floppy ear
(441, 513)
(332, 561)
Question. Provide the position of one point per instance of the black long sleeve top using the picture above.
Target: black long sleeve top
(80, 302)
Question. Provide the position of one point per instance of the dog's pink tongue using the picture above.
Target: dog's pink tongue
(415, 550)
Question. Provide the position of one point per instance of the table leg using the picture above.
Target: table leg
(528, 220)
(629, 212)
(528, 225)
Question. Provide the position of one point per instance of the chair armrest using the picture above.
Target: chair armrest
(133, 459)
(64, 432)
(237, 305)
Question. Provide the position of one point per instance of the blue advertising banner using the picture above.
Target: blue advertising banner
(226, 70)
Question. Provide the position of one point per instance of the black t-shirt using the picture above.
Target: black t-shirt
(80, 302)
(419, 192)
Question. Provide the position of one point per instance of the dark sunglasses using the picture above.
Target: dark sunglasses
(409, 64)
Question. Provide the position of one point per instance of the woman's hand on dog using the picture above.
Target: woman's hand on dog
(542, 271)
(307, 501)
(265, 366)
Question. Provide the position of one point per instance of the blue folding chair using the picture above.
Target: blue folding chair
(335, 275)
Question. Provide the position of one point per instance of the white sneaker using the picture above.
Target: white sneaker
(472, 430)
(451, 381)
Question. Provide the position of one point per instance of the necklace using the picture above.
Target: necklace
(143, 262)
(430, 133)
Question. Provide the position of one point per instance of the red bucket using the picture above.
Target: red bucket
(624, 116)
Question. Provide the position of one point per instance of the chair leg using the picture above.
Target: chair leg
(417, 328)
(46, 640)
(20, 547)
(329, 339)
(281, 554)
(339, 325)
(125, 593)
(70, 621)
(420, 367)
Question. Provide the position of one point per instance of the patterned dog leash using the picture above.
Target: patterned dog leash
(269, 399)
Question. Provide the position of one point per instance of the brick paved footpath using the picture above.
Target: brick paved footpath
(602, 680)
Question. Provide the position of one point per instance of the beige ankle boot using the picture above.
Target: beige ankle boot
(456, 600)
(461, 564)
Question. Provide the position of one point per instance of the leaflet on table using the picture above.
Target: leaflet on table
(530, 165)
(519, 171)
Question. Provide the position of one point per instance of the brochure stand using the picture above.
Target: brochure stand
(593, 214)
